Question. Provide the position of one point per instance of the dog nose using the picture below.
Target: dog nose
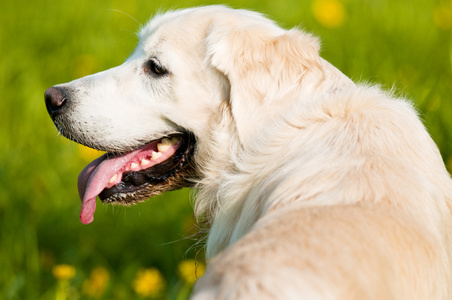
(56, 99)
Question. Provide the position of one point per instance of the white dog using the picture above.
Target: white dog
(312, 187)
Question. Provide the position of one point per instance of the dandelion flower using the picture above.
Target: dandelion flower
(329, 13)
(148, 282)
(190, 270)
(63, 272)
(97, 283)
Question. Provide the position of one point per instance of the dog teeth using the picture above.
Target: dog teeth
(134, 166)
(175, 140)
(144, 162)
(113, 179)
(156, 155)
(163, 148)
(164, 145)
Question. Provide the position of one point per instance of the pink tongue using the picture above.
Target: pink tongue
(93, 179)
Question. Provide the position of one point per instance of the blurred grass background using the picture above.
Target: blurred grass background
(143, 251)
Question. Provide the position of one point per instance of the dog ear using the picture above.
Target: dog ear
(265, 66)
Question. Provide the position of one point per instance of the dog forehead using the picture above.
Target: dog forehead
(193, 24)
(177, 28)
(177, 22)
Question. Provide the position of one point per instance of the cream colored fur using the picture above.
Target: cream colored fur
(324, 189)
(312, 187)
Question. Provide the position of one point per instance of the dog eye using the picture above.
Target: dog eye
(153, 66)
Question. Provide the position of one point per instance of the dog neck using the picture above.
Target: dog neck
(313, 146)
(227, 199)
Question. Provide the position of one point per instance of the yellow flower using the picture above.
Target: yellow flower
(442, 16)
(96, 284)
(329, 13)
(63, 272)
(190, 270)
(148, 282)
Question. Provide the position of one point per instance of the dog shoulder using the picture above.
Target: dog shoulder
(299, 253)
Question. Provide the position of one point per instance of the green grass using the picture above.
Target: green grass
(393, 43)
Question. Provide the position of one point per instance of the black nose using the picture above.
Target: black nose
(56, 99)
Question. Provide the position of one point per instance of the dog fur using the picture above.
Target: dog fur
(312, 186)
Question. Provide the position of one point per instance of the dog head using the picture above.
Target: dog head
(196, 76)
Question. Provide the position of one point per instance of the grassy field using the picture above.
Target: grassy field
(144, 251)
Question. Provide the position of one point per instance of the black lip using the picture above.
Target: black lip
(140, 185)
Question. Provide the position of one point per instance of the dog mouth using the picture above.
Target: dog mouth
(161, 165)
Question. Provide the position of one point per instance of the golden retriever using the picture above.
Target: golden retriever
(313, 187)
